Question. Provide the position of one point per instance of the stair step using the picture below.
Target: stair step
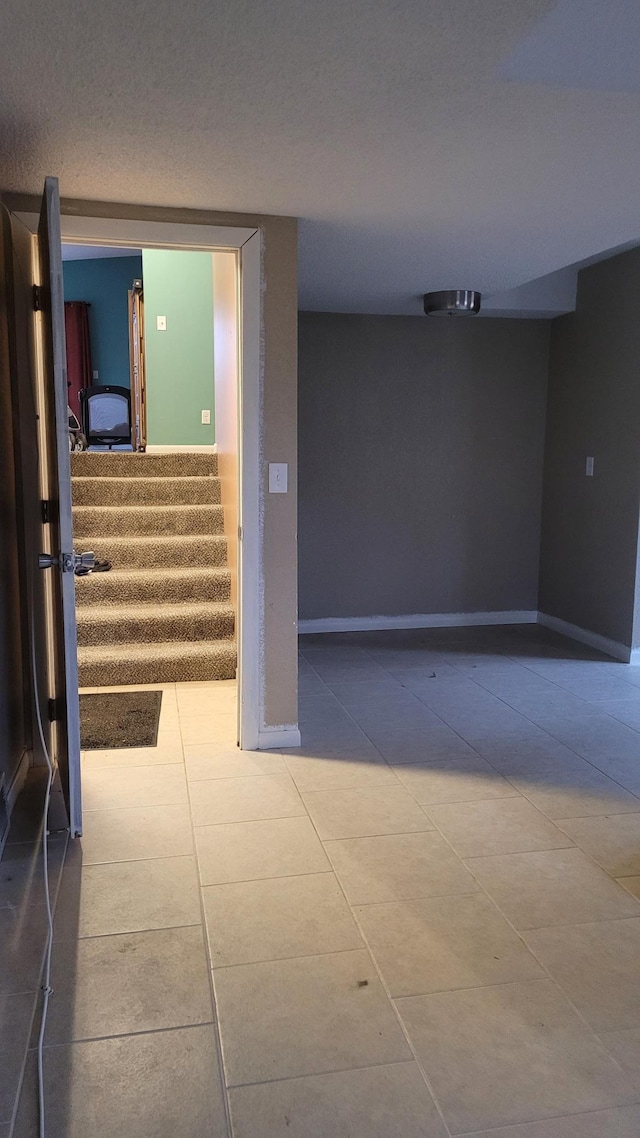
(161, 663)
(119, 491)
(148, 585)
(130, 464)
(156, 552)
(146, 623)
(147, 520)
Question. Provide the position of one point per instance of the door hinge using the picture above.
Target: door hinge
(38, 298)
(55, 709)
(46, 508)
(239, 533)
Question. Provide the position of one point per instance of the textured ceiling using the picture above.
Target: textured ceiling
(424, 144)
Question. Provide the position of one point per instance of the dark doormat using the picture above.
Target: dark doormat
(113, 720)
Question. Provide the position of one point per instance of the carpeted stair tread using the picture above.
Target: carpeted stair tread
(139, 520)
(158, 551)
(162, 613)
(145, 491)
(167, 662)
(183, 584)
(118, 464)
(146, 623)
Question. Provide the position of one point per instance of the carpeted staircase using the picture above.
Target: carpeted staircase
(163, 612)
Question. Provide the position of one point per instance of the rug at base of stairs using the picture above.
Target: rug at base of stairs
(163, 614)
(114, 720)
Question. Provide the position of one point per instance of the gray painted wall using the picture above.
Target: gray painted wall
(590, 525)
(420, 464)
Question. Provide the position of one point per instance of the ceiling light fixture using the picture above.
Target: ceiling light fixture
(452, 302)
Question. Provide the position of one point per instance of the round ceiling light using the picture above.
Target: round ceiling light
(452, 302)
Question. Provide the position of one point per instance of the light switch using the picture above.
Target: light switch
(278, 477)
(161, 323)
(589, 467)
(205, 417)
(96, 375)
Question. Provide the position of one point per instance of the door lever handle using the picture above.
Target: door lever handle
(69, 561)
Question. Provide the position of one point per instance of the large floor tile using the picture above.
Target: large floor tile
(576, 793)
(167, 752)
(339, 772)
(136, 832)
(552, 887)
(597, 966)
(22, 872)
(530, 756)
(22, 942)
(127, 896)
(394, 867)
(365, 811)
(134, 786)
(613, 841)
(437, 744)
(16, 1013)
(307, 1016)
(623, 1122)
(204, 761)
(510, 1053)
(373, 1103)
(244, 851)
(437, 944)
(286, 916)
(506, 825)
(115, 985)
(247, 799)
(153, 1086)
(218, 728)
(464, 780)
(625, 1048)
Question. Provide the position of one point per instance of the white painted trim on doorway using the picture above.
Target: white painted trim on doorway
(251, 659)
(592, 639)
(414, 620)
(202, 448)
(285, 736)
(247, 244)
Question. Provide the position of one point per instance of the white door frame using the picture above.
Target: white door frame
(246, 243)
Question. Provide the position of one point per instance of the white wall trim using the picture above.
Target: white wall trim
(415, 620)
(284, 736)
(202, 448)
(592, 639)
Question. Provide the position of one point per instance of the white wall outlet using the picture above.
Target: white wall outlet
(278, 477)
(589, 467)
(161, 323)
(205, 417)
(95, 375)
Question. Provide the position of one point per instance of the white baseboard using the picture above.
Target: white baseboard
(286, 736)
(592, 639)
(203, 449)
(414, 620)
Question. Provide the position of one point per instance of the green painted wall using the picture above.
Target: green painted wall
(105, 283)
(179, 361)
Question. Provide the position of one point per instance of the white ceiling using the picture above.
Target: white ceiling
(424, 144)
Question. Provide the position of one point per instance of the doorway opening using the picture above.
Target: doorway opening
(159, 605)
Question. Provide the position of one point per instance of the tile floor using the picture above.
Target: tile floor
(423, 923)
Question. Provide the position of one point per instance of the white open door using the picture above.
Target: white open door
(34, 300)
(58, 557)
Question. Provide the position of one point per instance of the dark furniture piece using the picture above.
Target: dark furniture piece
(106, 415)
